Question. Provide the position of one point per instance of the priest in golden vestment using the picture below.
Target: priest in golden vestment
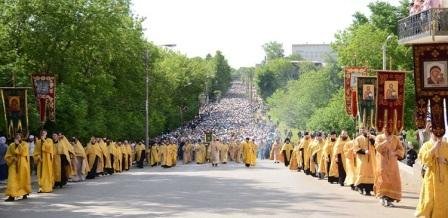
(140, 154)
(387, 184)
(287, 149)
(199, 152)
(82, 166)
(433, 201)
(119, 156)
(93, 153)
(43, 155)
(247, 151)
(304, 152)
(254, 147)
(187, 152)
(19, 178)
(154, 155)
(224, 152)
(327, 156)
(107, 167)
(61, 161)
(316, 154)
(338, 165)
(350, 164)
(364, 147)
(112, 149)
(293, 163)
(275, 151)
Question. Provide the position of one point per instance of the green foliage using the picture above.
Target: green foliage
(273, 50)
(97, 51)
(332, 116)
(222, 71)
(275, 74)
(305, 103)
(297, 102)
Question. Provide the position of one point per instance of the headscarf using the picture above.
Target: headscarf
(2, 140)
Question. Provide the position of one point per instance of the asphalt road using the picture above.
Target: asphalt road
(267, 190)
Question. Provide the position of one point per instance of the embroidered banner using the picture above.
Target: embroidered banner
(45, 92)
(390, 102)
(15, 108)
(431, 84)
(366, 94)
(350, 75)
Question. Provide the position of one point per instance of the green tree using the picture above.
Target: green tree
(332, 116)
(274, 75)
(273, 50)
(97, 51)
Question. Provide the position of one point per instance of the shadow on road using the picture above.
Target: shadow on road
(144, 193)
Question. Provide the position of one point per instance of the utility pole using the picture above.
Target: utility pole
(389, 37)
(147, 102)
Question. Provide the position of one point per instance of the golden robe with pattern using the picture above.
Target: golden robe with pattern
(433, 202)
(338, 149)
(247, 152)
(365, 163)
(387, 173)
(199, 152)
(43, 155)
(350, 163)
(19, 178)
(327, 150)
(155, 157)
(287, 148)
(304, 148)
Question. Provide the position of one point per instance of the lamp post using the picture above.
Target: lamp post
(147, 101)
(389, 37)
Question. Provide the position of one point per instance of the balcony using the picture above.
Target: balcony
(430, 26)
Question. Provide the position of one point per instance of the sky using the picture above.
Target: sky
(239, 28)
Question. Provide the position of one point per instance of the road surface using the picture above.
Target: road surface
(267, 190)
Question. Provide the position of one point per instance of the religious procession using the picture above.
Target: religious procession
(95, 100)
(56, 160)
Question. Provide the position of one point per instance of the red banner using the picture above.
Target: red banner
(431, 85)
(367, 97)
(390, 102)
(15, 108)
(350, 87)
(45, 91)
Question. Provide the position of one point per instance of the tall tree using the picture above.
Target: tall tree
(273, 50)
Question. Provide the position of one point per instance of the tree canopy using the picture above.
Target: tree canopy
(97, 51)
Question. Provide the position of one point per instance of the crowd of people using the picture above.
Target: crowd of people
(233, 130)
(417, 6)
(226, 131)
(369, 164)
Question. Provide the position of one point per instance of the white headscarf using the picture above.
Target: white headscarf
(2, 140)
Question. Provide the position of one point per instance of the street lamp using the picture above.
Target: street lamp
(389, 37)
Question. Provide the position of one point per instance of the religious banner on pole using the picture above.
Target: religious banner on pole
(350, 88)
(15, 108)
(367, 95)
(45, 91)
(431, 84)
(390, 102)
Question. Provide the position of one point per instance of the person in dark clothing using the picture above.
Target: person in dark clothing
(411, 156)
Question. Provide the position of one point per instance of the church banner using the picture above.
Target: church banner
(366, 94)
(390, 108)
(45, 92)
(350, 87)
(431, 84)
(15, 108)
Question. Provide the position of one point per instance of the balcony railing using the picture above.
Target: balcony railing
(430, 26)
